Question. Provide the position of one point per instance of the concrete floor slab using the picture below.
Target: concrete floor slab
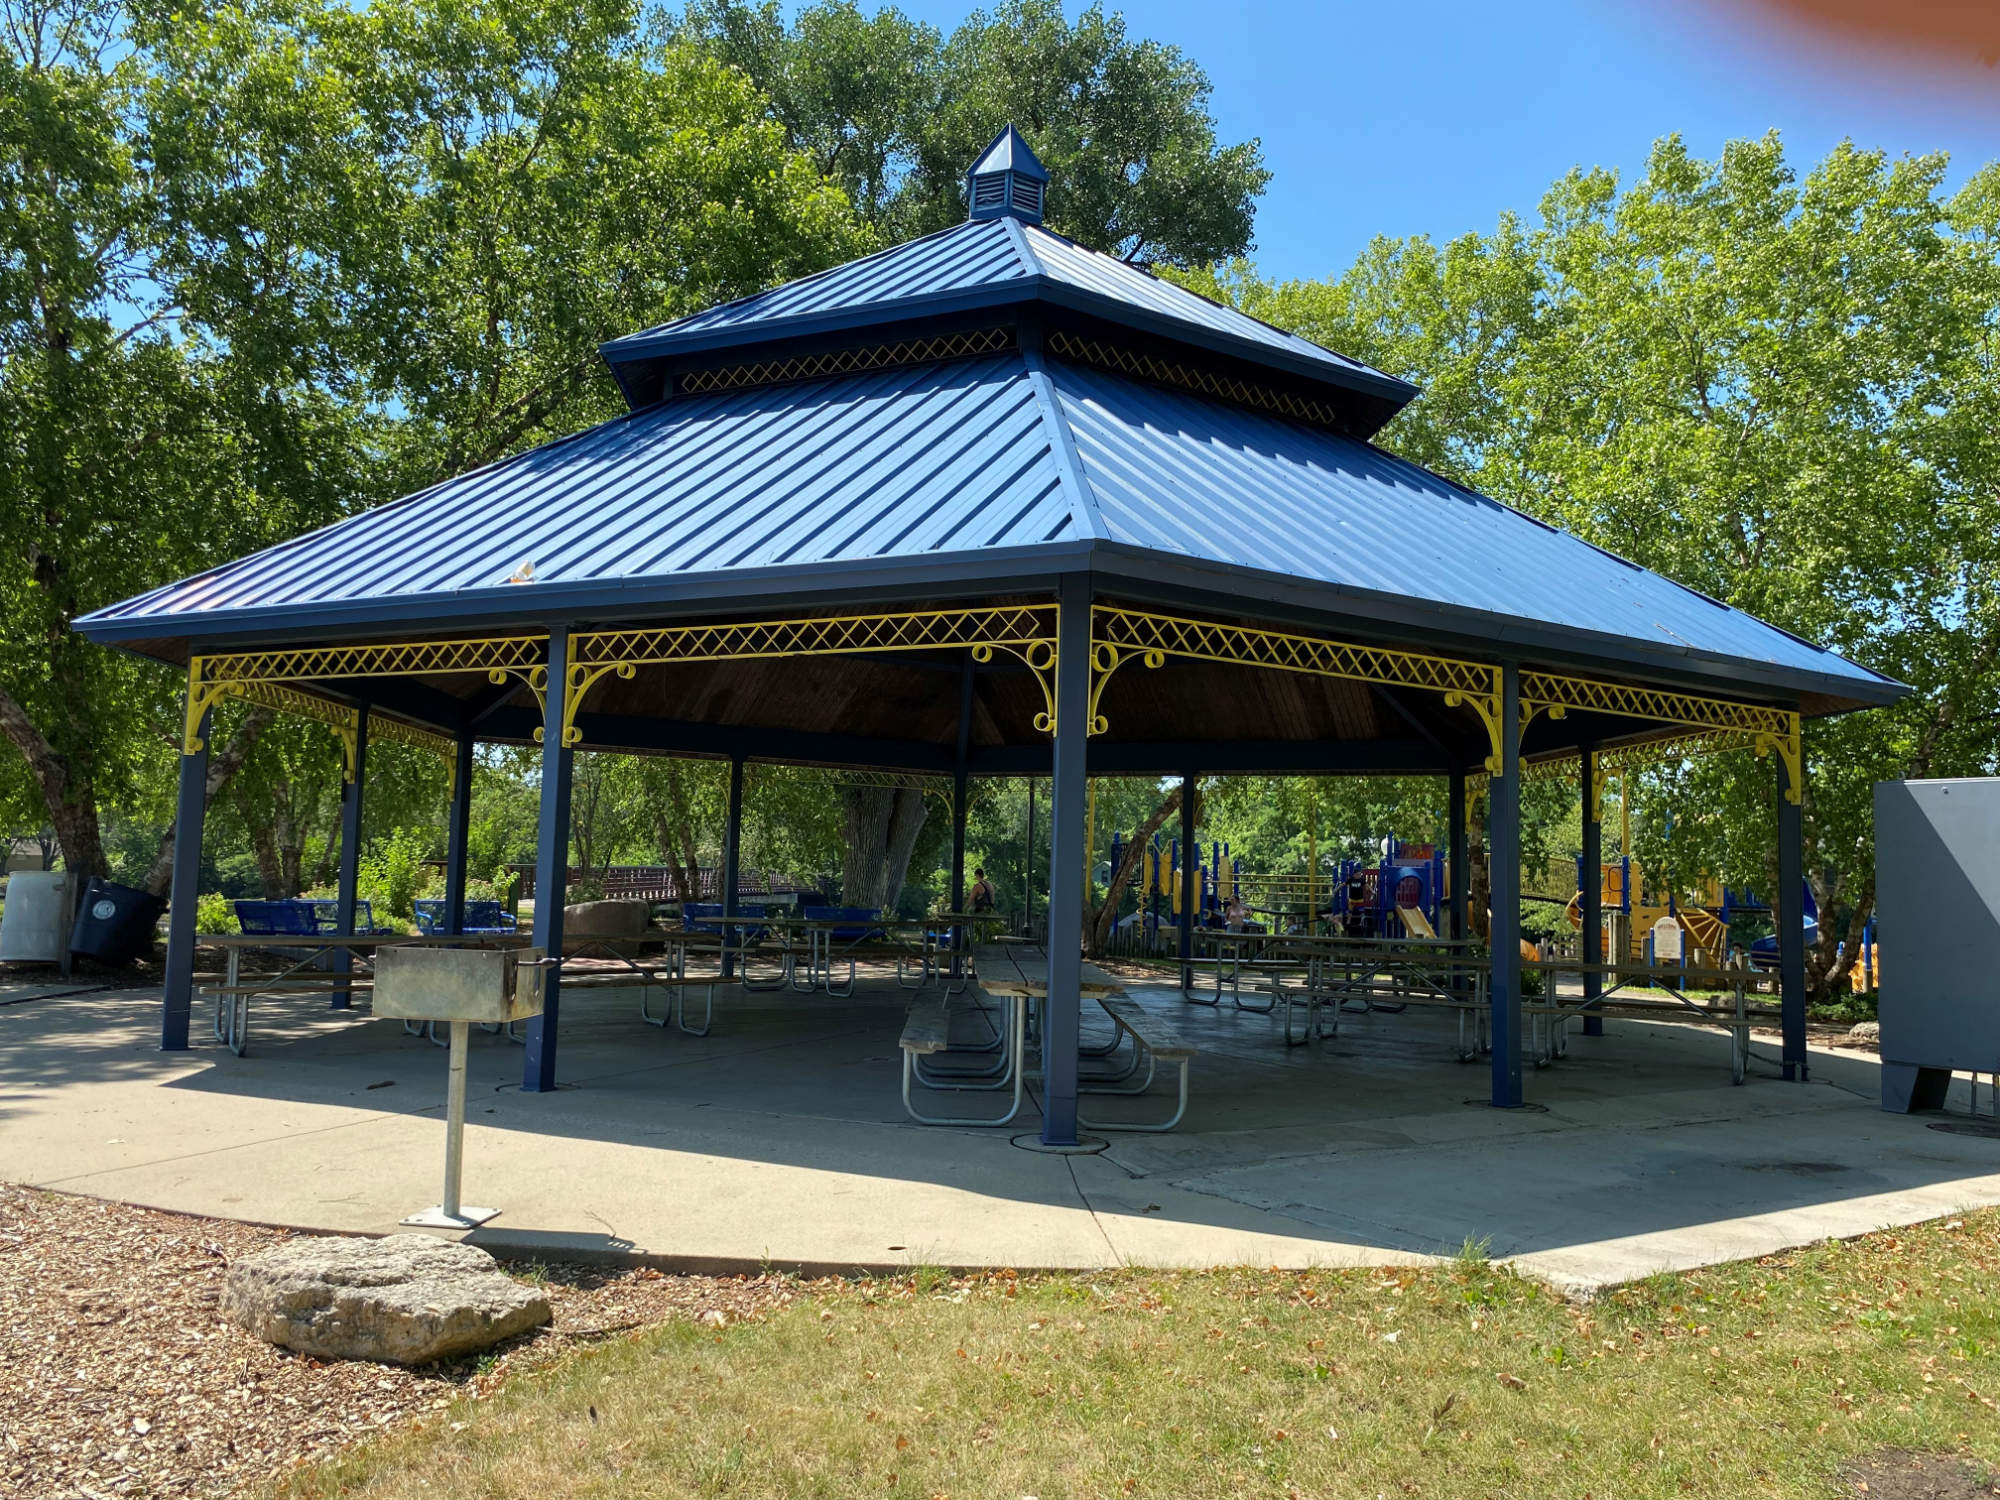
(781, 1139)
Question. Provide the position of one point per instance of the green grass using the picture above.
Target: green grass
(1463, 1380)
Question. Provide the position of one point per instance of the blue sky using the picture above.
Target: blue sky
(1432, 116)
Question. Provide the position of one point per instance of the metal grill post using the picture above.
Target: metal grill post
(350, 847)
(190, 812)
(1062, 1028)
(1184, 925)
(1503, 801)
(538, 1068)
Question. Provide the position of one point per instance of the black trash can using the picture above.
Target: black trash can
(114, 923)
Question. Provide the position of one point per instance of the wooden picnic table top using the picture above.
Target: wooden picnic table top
(1012, 970)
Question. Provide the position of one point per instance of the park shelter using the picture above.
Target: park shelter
(989, 503)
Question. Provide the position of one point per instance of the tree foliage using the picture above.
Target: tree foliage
(1781, 391)
(896, 112)
(264, 264)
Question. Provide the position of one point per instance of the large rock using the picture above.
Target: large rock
(406, 1300)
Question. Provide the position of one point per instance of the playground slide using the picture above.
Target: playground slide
(1415, 923)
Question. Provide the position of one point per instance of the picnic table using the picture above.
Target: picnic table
(306, 973)
(855, 933)
(1015, 974)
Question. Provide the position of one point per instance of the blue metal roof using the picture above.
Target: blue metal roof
(905, 462)
(777, 487)
(1174, 473)
(995, 262)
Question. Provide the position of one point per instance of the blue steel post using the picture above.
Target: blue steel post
(458, 831)
(1591, 885)
(350, 849)
(190, 811)
(1063, 1021)
(1787, 909)
(1503, 801)
(1183, 880)
(732, 849)
(1460, 856)
(538, 1068)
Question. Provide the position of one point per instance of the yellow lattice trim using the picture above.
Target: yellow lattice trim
(1755, 726)
(1634, 755)
(1119, 635)
(1546, 691)
(846, 361)
(341, 718)
(261, 676)
(1024, 630)
(1123, 361)
(429, 741)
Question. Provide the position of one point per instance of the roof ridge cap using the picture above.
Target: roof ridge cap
(1084, 510)
(1024, 249)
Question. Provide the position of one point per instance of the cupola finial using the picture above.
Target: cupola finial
(1008, 181)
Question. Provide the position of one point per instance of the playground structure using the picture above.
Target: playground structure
(1639, 916)
(1403, 895)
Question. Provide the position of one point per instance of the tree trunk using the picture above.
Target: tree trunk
(222, 765)
(882, 824)
(1098, 928)
(270, 864)
(67, 791)
(673, 830)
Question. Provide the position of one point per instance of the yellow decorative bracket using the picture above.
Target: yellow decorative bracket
(1594, 767)
(202, 696)
(1487, 706)
(1790, 749)
(1040, 658)
(1530, 710)
(581, 680)
(1106, 658)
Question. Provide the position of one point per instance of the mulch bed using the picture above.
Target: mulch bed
(117, 1378)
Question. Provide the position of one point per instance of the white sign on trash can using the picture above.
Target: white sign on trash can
(459, 986)
(1667, 936)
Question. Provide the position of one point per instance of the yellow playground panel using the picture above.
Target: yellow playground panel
(1696, 910)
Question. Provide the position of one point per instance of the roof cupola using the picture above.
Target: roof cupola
(1007, 181)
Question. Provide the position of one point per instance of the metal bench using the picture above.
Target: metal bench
(927, 1034)
(301, 918)
(476, 916)
(1157, 1040)
(608, 970)
(741, 937)
(855, 932)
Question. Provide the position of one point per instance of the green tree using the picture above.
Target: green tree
(895, 112)
(1783, 392)
(262, 265)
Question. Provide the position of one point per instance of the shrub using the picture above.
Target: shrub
(392, 874)
(214, 913)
